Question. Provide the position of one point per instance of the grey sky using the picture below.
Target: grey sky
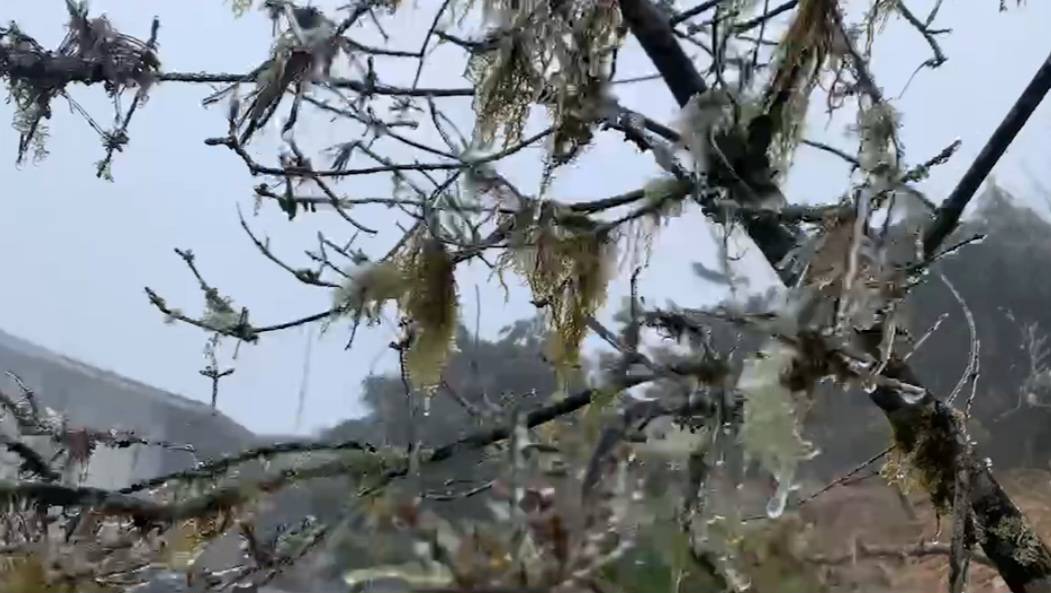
(75, 251)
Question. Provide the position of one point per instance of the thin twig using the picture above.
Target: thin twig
(341, 83)
(970, 371)
(853, 162)
(759, 20)
(696, 10)
(939, 57)
(845, 477)
(302, 171)
(303, 275)
(427, 40)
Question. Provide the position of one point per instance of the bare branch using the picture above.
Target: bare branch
(696, 10)
(853, 162)
(759, 20)
(302, 171)
(924, 28)
(340, 83)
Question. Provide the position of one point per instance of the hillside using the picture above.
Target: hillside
(99, 399)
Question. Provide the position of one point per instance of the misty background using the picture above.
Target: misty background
(76, 251)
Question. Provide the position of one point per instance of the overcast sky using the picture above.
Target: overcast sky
(75, 251)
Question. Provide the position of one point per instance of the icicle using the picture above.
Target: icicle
(775, 507)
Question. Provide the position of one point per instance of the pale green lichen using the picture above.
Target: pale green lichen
(1026, 546)
(220, 314)
(558, 56)
(567, 271)
(924, 455)
(431, 303)
(802, 52)
(368, 287)
(240, 7)
(770, 433)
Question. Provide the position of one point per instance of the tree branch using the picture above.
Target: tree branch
(657, 38)
(213, 468)
(696, 10)
(50, 69)
(341, 83)
(948, 215)
(759, 20)
(993, 509)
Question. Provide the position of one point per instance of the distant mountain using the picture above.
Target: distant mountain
(91, 397)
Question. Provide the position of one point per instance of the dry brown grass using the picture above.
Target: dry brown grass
(850, 522)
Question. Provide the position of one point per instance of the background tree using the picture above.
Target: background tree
(573, 493)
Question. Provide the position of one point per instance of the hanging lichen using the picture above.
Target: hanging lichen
(506, 83)
(240, 7)
(431, 305)
(770, 433)
(802, 52)
(664, 198)
(584, 66)
(878, 155)
(875, 19)
(568, 269)
(557, 55)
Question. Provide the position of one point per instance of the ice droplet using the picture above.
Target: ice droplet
(427, 405)
(775, 507)
(912, 395)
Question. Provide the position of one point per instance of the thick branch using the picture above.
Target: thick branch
(932, 433)
(102, 501)
(50, 69)
(123, 503)
(948, 215)
(656, 36)
(214, 468)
